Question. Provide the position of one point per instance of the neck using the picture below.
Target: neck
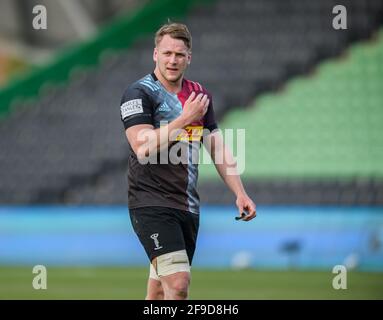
(173, 87)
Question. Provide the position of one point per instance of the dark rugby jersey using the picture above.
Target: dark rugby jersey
(169, 179)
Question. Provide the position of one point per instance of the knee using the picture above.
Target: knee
(174, 270)
(179, 287)
(156, 293)
(160, 294)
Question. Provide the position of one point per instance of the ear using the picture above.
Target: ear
(155, 54)
(189, 58)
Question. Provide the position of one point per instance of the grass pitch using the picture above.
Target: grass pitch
(130, 283)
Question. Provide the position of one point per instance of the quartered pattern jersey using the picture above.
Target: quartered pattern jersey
(167, 178)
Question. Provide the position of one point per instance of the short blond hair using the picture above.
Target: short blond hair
(175, 31)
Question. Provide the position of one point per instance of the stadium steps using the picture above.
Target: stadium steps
(320, 139)
(281, 186)
(72, 137)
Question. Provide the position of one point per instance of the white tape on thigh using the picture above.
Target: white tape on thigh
(153, 273)
(173, 262)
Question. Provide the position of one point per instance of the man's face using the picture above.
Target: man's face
(172, 58)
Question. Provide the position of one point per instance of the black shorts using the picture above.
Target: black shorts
(162, 230)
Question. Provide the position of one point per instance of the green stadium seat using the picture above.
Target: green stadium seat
(327, 125)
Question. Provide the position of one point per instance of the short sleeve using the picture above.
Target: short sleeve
(209, 119)
(136, 107)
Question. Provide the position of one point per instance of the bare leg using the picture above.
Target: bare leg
(176, 286)
(154, 290)
(154, 287)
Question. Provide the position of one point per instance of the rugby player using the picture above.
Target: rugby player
(166, 117)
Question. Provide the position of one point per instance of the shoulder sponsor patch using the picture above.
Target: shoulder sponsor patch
(131, 107)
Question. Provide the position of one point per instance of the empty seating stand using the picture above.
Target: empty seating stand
(69, 146)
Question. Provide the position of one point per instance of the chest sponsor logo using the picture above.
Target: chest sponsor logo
(131, 107)
(191, 133)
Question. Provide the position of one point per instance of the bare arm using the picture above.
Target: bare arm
(145, 140)
(227, 169)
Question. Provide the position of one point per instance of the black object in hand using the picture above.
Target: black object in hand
(243, 215)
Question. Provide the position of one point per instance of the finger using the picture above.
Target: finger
(199, 97)
(240, 209)
(251, 207)
(243, 215)
(191, 97)
(207, 103)
(251, 215)
(206, 107)
(203, 100)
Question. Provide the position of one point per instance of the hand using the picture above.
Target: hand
(244, 203)
(195, 107)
